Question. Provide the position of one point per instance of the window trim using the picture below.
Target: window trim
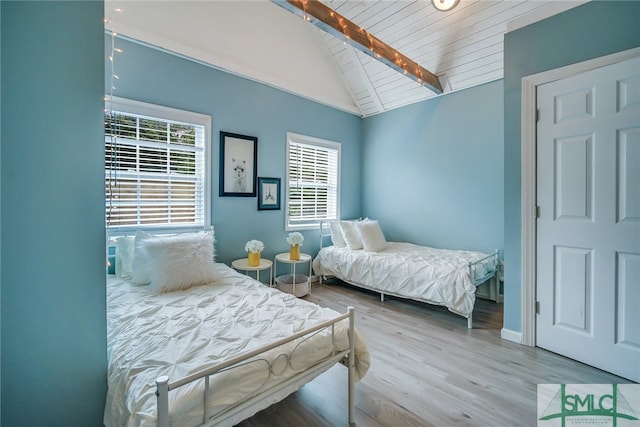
(125, 105)
(318, 142)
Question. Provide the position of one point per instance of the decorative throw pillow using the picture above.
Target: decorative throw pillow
(124, 256)
(336, 234)
(372, 237)
(180, 261)
(139, 274)
(351, 234)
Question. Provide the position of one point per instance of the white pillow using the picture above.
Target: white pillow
(124, 256)
(372, 237)
(336, 235)
(180, 261)
(139, 274)
(351, 234)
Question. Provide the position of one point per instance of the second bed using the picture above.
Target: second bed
(432, 275)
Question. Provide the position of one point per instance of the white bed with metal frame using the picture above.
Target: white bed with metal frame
(435, 276)
(217, 353)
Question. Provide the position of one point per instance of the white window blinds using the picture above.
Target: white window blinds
(312, 180)
(155, 167)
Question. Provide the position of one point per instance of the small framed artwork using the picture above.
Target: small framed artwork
(268, 194)
(238, 165)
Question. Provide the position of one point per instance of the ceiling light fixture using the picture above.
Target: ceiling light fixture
(444, 5)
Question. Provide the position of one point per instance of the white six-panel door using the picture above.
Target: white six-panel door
(588, 228)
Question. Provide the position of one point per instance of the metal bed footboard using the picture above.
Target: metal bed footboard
(483, 270)
(325, 231)
(346, 357)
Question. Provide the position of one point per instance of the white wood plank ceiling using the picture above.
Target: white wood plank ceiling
(464, 47)
(262, 41)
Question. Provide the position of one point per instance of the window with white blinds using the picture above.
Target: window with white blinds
(313, 181)
(155, 167)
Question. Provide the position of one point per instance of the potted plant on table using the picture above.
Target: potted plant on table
(254, 248)
(295, 239)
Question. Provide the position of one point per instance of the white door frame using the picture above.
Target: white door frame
(528, 178)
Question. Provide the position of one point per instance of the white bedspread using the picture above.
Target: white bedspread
(178, 333)
(436, 276)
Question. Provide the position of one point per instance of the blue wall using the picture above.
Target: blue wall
(0, 216)
(52, 317)
(433, 171)
(53, 244)
(242, 106)
(589, 31)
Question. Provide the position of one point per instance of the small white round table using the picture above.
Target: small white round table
(284, 258)
(243, 265)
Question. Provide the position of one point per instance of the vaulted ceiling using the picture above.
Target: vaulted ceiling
(262, 41)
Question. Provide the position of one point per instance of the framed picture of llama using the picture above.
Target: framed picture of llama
(268, 194)
(238, 165)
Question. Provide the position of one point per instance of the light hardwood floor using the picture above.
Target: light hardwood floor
(428, 369)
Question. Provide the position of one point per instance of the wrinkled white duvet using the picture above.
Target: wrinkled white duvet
(178, 333)
(436, 276)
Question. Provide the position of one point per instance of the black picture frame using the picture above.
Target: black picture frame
(238, 165)
(268, 194)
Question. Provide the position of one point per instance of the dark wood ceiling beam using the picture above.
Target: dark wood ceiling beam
(332, 22)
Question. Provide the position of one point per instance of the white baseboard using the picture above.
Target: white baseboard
(509, 335)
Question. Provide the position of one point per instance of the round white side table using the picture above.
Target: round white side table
(243, 265)
(285, 259)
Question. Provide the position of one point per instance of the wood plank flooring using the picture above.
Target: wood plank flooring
(428, 369)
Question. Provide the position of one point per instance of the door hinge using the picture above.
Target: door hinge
(537, 114)
(537, 307)
(537, 211)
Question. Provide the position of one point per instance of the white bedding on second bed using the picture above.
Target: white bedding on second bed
(436, 276)
(177, 333)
